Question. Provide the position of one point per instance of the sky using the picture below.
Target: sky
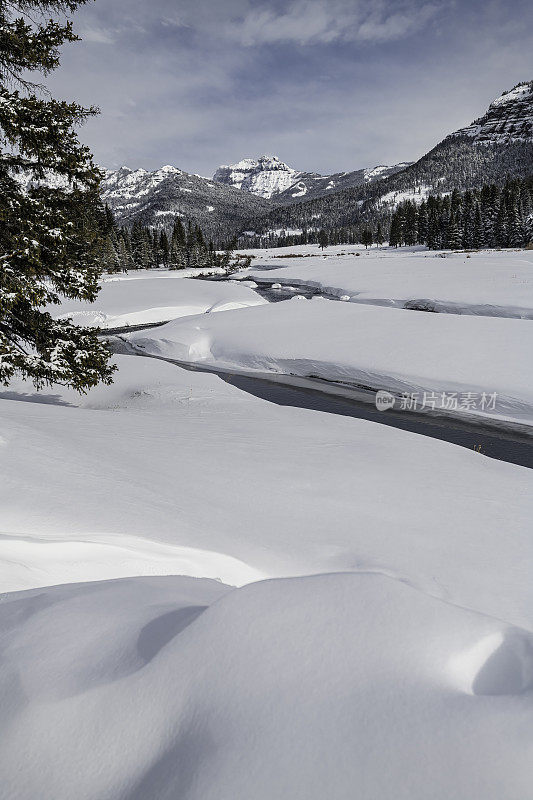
(326, 85)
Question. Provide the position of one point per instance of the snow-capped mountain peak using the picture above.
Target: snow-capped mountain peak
(265, 176)
(270, 177)
(508, 118)
(159, 197)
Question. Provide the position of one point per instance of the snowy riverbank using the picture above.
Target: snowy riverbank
(405, 352)
(484, 283)
(146, 297)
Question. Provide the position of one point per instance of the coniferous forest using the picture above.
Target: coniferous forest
(492, 216)
(143, 247)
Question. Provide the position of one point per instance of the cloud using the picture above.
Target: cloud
(308, 22)
(97, 35)
(328, 85)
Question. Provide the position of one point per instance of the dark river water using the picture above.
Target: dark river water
(515, 447)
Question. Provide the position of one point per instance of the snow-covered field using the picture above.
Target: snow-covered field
(489, 283)
(380, 643)
(151, 298)
(170, 471)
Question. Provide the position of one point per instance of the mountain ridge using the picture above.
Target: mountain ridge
(496, 146)
(157, 198)
(273, 179)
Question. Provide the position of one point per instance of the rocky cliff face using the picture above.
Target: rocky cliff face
(508, 119)
(266, 176)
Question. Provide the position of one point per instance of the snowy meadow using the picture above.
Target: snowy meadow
(266, 408)
(211, 594)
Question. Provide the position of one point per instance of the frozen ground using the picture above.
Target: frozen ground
(389, 653)
(140, 298)
(488, 283)
(401, 351)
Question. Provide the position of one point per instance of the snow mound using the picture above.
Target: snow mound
(32, 561)
(501, 663)
(176, 684)
(156, 298)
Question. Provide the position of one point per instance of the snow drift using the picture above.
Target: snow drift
(147, 298)
(333, 685)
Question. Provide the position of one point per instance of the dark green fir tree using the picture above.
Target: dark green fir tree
(323, 239)
(367, 237)
(50, 214)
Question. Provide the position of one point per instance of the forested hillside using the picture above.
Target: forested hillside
(456, 163)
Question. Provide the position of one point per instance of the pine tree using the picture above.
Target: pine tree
(422, 223)
(109, 257)
(323, 239)
(517, 232)
(410, 232)
(124, 254)
(501, 228)
(50, 233)
(434, 237)
(395, 233)
(529, 230)
(110, 223)
(177, 245)
(367, 237)
(454, 237)
(164, 248)
(477, 233)
(145, 253)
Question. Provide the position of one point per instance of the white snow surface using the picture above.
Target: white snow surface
(379, 644)
(359, 345)
(488, 283)
(333, 685)
(156, 297)
(167, 459)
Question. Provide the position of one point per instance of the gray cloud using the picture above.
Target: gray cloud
(308, 22)
(326, 86)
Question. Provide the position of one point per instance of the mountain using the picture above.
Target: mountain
(157, 198)
(509, 118)
(495, 147)
(267, 176)
(222, 206)
(271, 178)
(266, 195)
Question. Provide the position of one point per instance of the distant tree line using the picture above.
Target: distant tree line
(355, 234)
(492, 216)
(143, 247)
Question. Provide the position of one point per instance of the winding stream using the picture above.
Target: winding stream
(486, 439)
